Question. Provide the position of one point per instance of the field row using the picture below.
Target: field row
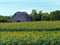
(30, 29)
(28, 38)
(32, 25)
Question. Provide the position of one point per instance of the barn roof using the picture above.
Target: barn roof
(20, 13)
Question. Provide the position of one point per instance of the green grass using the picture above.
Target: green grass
(41, 25)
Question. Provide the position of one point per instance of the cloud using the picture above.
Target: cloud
(11, 6)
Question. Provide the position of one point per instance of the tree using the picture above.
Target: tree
(45, 16)
(4, 18)
(39, 16)
(33, 15)
(55, 15)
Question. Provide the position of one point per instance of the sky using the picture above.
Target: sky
(9, 7)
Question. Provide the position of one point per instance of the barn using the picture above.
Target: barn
(20, 17)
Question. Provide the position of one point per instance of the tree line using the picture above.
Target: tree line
(5, 18)
(40, 16)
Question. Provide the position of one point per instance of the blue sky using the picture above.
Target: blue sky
(9, 7)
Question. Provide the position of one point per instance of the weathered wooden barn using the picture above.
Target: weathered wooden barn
(20, 17)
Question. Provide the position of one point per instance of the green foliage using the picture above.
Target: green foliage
(4, 18)
(54, 15)
(38, 16)
(33, 15)
(30, 38)
(45, 16)
(30, 26)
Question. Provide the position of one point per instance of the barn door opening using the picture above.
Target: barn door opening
(18, 21)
